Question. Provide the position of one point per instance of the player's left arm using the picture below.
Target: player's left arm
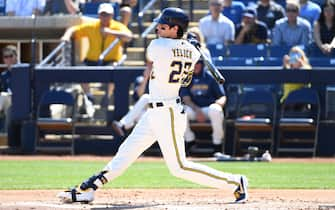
(124, 34)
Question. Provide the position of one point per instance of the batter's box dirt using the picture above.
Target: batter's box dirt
(192, 199)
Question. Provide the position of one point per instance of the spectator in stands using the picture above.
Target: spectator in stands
(324, 29)
(292, 30)
(295, 60)
(204, 100)
(142, 99)
(200, 38)
(101, 34)
(126, 9)
(217, 28)
(269, 12)
(251, 31)
(9, 56)
(53, 7)
(310, 11)
(233, 10)
(24, 7)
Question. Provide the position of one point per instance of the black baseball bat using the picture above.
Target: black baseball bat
(212, 69)
(191, 37)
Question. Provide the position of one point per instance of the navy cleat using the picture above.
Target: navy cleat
(241, 192)
(76, 195)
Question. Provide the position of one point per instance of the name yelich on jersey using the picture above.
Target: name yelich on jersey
(177, 52)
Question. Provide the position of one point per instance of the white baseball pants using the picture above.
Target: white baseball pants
(166, 125)
(214, 113)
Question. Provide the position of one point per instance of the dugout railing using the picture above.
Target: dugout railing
(26, 83)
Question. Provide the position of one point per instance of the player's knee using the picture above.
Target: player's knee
(215, 110)
(179, 170)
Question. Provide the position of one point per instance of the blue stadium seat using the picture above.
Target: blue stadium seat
(322, 62)
(314, 51)
(250, 61)
(281, 2)
(234, 61)
(217, 50)
(248, 50)
(278, 51)
(272, 61)
(2, 7)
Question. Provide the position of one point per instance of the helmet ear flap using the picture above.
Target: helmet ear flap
(180, 32)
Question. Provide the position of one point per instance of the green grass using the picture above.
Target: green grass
(57, 174)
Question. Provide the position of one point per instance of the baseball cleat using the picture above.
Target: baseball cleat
(241, 192)
(76, 195)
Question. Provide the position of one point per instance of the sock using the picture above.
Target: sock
(94, 182)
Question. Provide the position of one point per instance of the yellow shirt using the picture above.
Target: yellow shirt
(97, 43)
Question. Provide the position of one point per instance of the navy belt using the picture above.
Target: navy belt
(161, 104)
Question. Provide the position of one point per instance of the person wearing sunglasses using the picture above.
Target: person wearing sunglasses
(295, 60)
(9, 57)
(292, 30)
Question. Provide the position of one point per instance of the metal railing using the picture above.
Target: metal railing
(107, 50)
(60, 56)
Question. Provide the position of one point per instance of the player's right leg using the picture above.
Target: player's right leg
(139, 140)
(170, 140)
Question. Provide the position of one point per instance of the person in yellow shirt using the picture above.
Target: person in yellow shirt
(101, 34)
(295, 60)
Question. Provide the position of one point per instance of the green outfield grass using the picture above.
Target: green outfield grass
(57, 174)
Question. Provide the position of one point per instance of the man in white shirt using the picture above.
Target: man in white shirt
(24, 7)
(217, 28)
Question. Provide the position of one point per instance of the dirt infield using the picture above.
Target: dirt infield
(173, 199)
(170, 198)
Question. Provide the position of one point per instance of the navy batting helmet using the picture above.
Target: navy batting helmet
(173, 16)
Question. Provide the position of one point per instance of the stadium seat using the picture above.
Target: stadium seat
(322, 62)
(249, 61)
(57, 126)
(278, 51)
(315, 52)
(247, 50)
(233, 93)
(299, 122)
(3, 8)
(255, 122)
(217, 50)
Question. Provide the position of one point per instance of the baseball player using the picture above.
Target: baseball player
(173, 59)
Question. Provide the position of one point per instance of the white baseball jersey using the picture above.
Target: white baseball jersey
(172, 60)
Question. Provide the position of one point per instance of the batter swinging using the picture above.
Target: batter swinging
(165, 121)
